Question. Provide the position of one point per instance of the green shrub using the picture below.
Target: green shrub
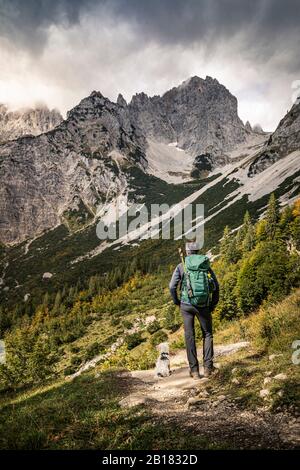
(29, 358)
(178, 343)
(70, 370)
(76, 360)
(93, 350)
(169, 319)
(127, 324)
(158, 337)
(175, 327)
(153, 327)
(115, 321)
(228, 306)
(263, 275)
(133, 340)
(108, 341)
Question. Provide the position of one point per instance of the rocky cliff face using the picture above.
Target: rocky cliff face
(285, 140)
(14, 124)
(68, 173)
(248, 126)
(71, 172)
(200, 115)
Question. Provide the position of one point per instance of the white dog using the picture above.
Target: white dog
(162, 368)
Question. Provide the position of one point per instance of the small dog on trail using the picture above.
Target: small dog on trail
(162, 368)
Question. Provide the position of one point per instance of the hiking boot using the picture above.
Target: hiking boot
(195, 375)
(209, 371)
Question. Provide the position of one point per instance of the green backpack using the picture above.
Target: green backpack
(197, 269)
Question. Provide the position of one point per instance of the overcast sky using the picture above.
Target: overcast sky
(58, 51)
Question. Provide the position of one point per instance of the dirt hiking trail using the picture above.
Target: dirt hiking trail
(202, 406)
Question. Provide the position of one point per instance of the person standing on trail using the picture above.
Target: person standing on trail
(199, 296)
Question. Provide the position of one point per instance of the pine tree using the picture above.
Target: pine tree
(46, 301)
(296, 208)
(272, 217)
(244, 229)
(92, 289)
(248, 234)
(260, 230)
(5, 321)
(2, 323)
(286, 217)
(249, 240)
(57, 303)
(133, 266)
(40, 361)
(229, 249)
(285, 223)
(295, 230)
(225, 241)
(63, 294)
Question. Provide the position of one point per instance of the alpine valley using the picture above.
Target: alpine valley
(59, 178)
(82, 319)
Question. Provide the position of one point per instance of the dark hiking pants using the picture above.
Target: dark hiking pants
(189, 312)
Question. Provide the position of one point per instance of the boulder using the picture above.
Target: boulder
(264, 393)
(280, 377)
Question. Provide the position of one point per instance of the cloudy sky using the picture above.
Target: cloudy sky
(58, 51)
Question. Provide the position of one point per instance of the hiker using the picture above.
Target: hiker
(199, 296)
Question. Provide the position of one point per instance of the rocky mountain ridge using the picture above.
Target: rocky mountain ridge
(32, 121)
(285, 140)
(67, 173)
(72, 173)
(200, 115)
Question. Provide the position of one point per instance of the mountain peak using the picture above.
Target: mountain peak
(121, 101)
(248, 126)
(210, 79)
(193, 80)
(89, 104)
(139, 98)
(258, 129)
(88, 156)
(196, 81)
(96, 94)
(27, 121)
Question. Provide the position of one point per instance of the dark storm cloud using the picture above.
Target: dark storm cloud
(266, 25)
(25, 22)
(185, 21)
(169, 21)
(57, 51)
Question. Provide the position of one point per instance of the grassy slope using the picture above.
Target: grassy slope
(54, 250)
(271, 331)
(85, 413)
(137, 299)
